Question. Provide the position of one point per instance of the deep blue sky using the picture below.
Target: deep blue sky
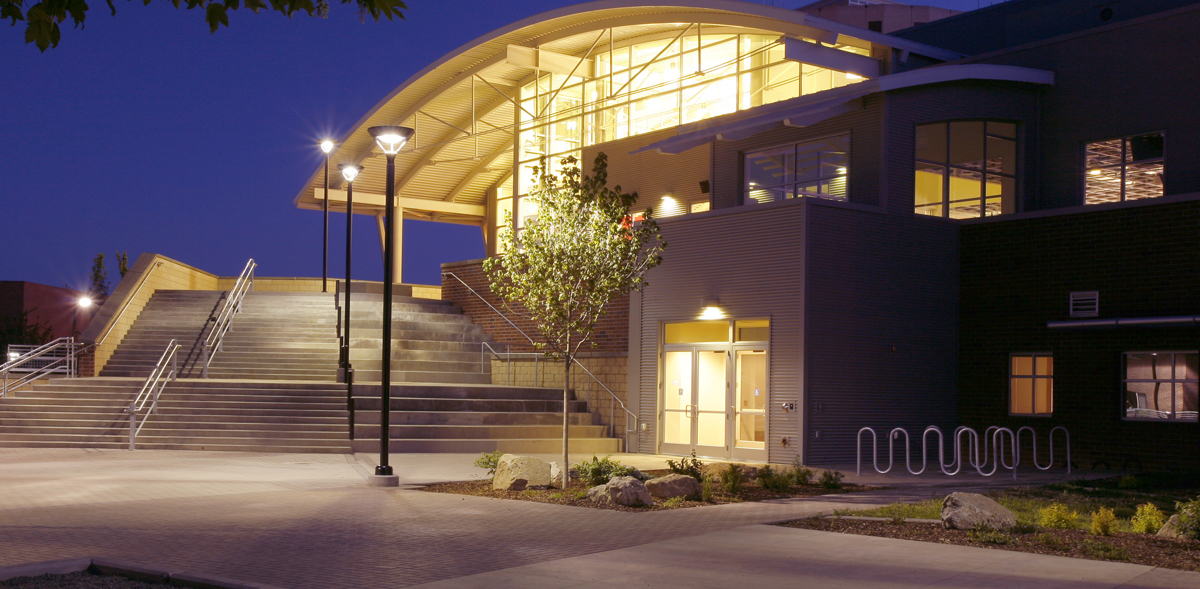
(144, 133)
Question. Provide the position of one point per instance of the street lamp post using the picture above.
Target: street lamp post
(327, 147)
(349, 172)
(84, 302)
(390, 139)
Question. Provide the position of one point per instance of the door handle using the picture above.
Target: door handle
(687, 411)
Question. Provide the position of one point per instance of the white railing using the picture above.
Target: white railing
(60, 356)
(631, 418)
(1002, 439)
(224, 322)
(165, 371)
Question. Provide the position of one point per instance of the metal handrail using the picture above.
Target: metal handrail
(128, 300)
(224, 322)
(616, 400)
(151, 390)
(73, 350)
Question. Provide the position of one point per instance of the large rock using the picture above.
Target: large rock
(626, 491)
(514, 473)
(674, 485)
(556, 474)
(966, 511)
(1171, 529)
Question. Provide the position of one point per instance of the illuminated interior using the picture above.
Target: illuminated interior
(1124, 169)
(817, 169)
(640, 87)
(965, 169)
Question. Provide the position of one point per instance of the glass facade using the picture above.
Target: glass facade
(1162, 385)
(815, 168)
(966, 169)
(1124, 169)
(652, 85)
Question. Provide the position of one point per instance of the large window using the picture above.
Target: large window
(966, 169)
(1124, 169)
(815, 168)
(1031, 384)
(1161, 385)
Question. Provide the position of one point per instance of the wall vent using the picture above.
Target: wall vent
(1085, 304)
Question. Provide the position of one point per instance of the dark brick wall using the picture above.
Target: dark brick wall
(1017, 275)
(612, 331)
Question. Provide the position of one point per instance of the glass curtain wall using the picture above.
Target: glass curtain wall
(658, 84)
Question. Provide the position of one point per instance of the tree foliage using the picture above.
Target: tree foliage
(42, 19)
(99, 277)
(18, 329)
(123, 263)
(581, 252)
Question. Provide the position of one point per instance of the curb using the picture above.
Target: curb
(103, 566)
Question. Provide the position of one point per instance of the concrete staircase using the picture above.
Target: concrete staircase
(192, 415)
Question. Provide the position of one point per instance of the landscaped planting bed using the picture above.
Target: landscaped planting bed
(1062, 520)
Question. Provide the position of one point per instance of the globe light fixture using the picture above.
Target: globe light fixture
(85, 302)
(391, 140)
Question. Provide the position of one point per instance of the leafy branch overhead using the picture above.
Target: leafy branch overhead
(42, 19)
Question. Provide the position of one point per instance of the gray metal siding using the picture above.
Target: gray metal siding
(877, 281)
(752, 261)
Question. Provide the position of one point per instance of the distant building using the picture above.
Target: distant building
(881, 16)
(48, 306)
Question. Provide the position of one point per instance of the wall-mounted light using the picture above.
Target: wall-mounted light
(710, 308)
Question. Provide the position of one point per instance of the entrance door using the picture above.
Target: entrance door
(750, 404)
(695, 391)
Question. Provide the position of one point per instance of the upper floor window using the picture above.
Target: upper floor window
(966, 169)
(818, 168)
(1161, 385)
(1124, 169)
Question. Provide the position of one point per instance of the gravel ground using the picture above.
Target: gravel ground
(1142, 549)
(80, 580)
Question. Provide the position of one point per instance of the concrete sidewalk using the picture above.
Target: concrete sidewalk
(305, 520)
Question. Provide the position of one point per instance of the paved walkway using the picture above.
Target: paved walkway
(302, 520)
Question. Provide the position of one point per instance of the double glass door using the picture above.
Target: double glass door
(714, 401)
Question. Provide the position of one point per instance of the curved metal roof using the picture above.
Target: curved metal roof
(464, 138)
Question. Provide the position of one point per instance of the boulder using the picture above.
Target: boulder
(515, 473)
(556, 474)
(637, 474)
(674, 485)
(966, 511)
(1171, 528)
(626, 491)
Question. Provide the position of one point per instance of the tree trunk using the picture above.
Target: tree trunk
(566, 465)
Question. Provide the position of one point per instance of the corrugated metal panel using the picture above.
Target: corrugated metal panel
(751, 261)
(654, 175)
(878, 283)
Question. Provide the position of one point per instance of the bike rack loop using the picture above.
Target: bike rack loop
(976, 449)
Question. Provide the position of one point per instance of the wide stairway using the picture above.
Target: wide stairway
(272, 386)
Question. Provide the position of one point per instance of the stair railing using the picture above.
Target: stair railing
(632, 419)
(224, 322)
(58, 356)
(164, 371)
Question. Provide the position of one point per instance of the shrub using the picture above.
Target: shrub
(489, 461)
(688, 466)
(989, 536)
(774, 481)
(599, 470)
(1104, 522)
(732, 478)
(801, 475)
(831, 479)
(672, 502)
(1149, 519)
(707, 490)
(1052, 542)
(1129, 482)
(1189, 518)
(1058, 516)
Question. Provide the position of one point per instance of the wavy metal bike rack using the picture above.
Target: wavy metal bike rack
(1004, 444)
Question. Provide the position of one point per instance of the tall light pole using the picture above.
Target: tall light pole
(349, 172)
(390, 139)
(327, 147)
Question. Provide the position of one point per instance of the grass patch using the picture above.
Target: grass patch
(931, 509)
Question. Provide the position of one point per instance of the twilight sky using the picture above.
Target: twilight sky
(144, 133)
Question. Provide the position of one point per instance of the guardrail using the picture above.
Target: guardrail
(1002, 438)
(224, 322)
(632, 418)
(129, 299)
(151, 390)
(60, 356)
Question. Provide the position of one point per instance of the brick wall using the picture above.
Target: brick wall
(1017, 275)
(612, 332)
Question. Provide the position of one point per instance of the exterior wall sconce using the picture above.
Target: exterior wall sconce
(710, 308)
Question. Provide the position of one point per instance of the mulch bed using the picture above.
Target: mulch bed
(576, 495)
(80, 580)
(1142, 549)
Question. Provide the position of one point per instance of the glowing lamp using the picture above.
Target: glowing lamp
(390, 138)
(327, 146)
(350, 171)
(85, 302)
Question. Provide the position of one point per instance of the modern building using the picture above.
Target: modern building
(987, 219)
(54, 309)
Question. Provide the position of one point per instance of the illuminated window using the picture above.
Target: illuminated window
(815, 168)
(1161, 385)
(1031, 384)
(1124, 169)
(966, 169)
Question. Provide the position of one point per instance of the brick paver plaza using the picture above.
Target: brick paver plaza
(302, 520)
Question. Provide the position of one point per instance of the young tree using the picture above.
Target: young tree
(18, 329)
(583, 250)
(123, 263)
(99, 277)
